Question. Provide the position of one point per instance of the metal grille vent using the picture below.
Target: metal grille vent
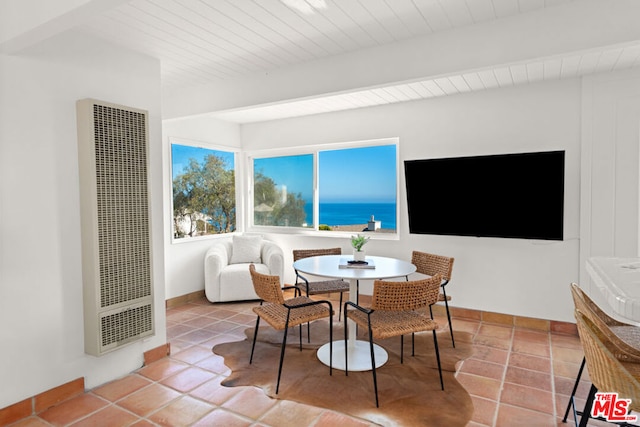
(120, 327)
(123, 223)
(116, 241)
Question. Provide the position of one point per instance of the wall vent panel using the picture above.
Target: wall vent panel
(115, 217)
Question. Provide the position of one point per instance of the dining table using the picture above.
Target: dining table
(338, 267)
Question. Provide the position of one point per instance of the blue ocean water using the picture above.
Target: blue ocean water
(354, 213)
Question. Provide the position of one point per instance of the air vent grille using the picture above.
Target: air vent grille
(122, 326)
(123, 225)
(115, 216)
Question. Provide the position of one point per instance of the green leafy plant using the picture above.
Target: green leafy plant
(358, 242)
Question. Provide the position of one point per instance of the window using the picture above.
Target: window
(349, 188)
(283, 191)
(358, 187)
(204, 191)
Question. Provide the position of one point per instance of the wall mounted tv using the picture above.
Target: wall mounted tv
(505, 195)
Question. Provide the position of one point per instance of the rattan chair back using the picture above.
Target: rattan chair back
(623, 339)
(605, 370)
(267, 287)
(589, 308)
(432, 264)
(408, 295)
(306, 253)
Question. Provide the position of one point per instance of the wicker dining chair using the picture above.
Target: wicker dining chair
(396, 310)
(626, 337)
(282, 314)
(607, 373)
(317, 287)
(432, 264)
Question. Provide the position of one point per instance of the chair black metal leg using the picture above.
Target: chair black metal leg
(346, 327)
(255, 335)
(446, 304)
(331, 340)
(300, 329)
(373, 365)
(308, 324)
(284, 345)
(573, 393)
(435, 345)
(413, 344)
(584, 418)
(340, 309)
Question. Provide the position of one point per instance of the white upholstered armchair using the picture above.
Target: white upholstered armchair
(226, 266)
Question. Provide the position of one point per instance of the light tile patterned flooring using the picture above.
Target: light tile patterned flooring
(516, 377)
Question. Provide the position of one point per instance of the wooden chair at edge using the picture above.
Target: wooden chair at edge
(607, 373)
(625, 336)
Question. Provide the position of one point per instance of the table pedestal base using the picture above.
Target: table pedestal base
(359, 355)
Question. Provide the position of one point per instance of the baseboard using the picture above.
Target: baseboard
(41, 401)
(184, 299)
(500, 318)
(45, 400)
(509, 320)
(157, 353)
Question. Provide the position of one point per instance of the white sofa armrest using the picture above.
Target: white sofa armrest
(273, 257)
(215, 259)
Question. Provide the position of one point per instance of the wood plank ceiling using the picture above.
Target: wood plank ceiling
(198, 41)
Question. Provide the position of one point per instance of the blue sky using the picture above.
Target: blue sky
(180, 155)
(364, 175)
(368, 176)
(289, 170)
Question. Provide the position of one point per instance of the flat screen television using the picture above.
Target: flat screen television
(517, 196)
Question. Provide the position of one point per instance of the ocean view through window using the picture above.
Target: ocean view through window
(336, 214)
(356, 189)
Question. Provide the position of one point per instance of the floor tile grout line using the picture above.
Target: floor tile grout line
(553, 381)
(504, 376)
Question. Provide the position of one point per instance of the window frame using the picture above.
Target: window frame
(238, 173)
(250, 156)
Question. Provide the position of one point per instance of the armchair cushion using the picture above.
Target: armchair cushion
(246, 249)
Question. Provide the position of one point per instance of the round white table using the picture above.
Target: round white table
(359, 357)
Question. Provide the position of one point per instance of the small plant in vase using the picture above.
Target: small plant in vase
(358, 242)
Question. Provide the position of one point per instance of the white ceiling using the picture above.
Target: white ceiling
(199, 41)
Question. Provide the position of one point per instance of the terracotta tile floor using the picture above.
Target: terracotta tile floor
(516, 377)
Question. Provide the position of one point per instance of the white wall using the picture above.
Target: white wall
(610, 193)
(513, 276)
(41, 308)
